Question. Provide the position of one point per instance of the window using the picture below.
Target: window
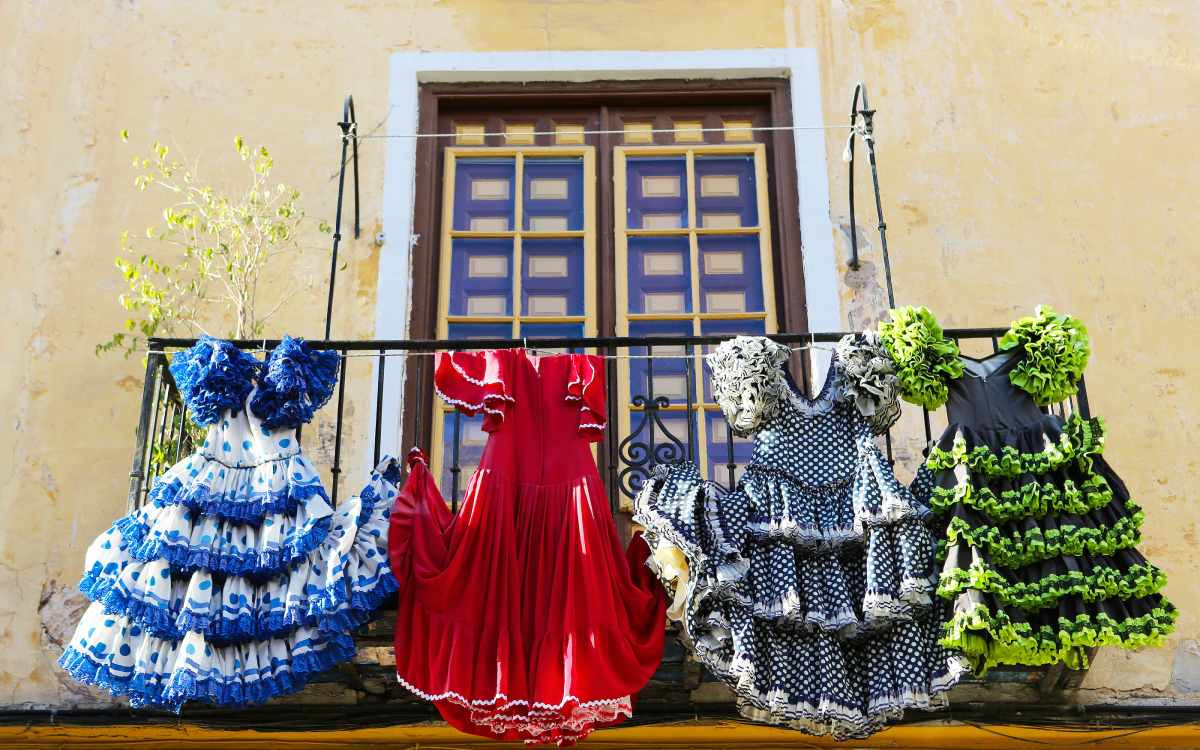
(637, 208)
(518, 258)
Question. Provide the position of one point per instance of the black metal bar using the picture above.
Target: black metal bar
(349, 133)
(137, 473)
(730, 464)
(692, 412)
(335, 471)
(868, 133)
(612, 442)
(178, 433)
(417, 437)
(651, 405)
(455, 468)
(380, 364)
(434, 345)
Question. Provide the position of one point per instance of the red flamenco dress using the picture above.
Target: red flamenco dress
(521, 617)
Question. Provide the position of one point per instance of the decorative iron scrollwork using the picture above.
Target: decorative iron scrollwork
(649, 443)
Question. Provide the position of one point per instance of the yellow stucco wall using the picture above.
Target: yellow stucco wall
(1030, 153)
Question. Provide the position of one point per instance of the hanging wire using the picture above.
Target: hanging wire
(387, 354)
(739, 129)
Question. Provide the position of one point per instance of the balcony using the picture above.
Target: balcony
(349, 435)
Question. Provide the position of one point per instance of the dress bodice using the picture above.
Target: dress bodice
(985, 400)
(542, 412)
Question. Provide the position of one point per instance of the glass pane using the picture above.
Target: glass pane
(553, 195)
(552, 279)
(724, 449)
(481, 276)
(659, 275)
(483, 194)
(552, 330)
(725, 192)
(471, 440)
(730, 274)
(669, 367)
(656, 196)
(480, 331)
(728, 329)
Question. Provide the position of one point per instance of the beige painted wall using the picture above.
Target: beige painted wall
(1029, 153)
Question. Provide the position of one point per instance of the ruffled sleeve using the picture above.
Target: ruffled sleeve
(214, 376)
(925, 360)
(1056, 350)
(747, 381)
(871, 383)
(474, 383)
(299, 381)
(586, 387)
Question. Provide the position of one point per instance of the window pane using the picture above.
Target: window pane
(480, 331)
(659, 275)
(730, 274)
(725, 192)
(552, 280)
(483, 194)
(656, 194)
(553, 200)
(481, 276)
(669, 367)
(553, 330)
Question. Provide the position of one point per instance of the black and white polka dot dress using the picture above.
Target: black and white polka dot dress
(808, 588)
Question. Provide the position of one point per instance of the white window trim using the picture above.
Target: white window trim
(410, 69)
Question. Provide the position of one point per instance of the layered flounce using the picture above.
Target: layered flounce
(277, 484)
(924, 358)
(1038, 548)
(191, 606)
(827, 624)
(1055, 351)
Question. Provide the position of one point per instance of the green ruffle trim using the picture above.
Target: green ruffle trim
(1080, 439)
(1056, 350)
(1106, 583)
(1016, 550)
(925, 359)
(1033, 499)
(988, 638)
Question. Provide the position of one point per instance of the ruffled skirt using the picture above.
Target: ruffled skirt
(521, 617)
(234, 585)
(813, 603)
(1039, 553)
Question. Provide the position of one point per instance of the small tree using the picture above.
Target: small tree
(209, 254)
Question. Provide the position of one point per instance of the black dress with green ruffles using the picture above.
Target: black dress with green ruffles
(1038, 555)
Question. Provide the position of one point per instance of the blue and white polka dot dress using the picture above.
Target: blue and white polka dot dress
(809, 587)
(237, 581)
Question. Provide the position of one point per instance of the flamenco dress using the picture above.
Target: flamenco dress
(237, 581)
(522, 617)
(1039, 554)
(808, 588)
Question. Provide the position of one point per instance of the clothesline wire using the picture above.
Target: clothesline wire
(608, 131)
(384, 355)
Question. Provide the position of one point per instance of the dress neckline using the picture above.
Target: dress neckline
(981, 363)
(801, 400)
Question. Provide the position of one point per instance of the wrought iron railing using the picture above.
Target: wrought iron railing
(164, 433)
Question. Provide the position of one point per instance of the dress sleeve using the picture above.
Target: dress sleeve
(586, 387)
(214, 376)
(747, 381)
(474, 383)
(1056, 349)
(925, 360)
(870, 379)
(299, 380)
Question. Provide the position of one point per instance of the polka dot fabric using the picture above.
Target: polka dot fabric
(237, 581)
(809, 586)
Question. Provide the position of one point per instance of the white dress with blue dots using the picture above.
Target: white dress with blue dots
(808, 588)
(237, 581)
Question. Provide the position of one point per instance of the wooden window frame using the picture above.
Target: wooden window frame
(435, 99)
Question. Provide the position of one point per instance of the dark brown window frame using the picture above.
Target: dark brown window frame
(435, 99)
